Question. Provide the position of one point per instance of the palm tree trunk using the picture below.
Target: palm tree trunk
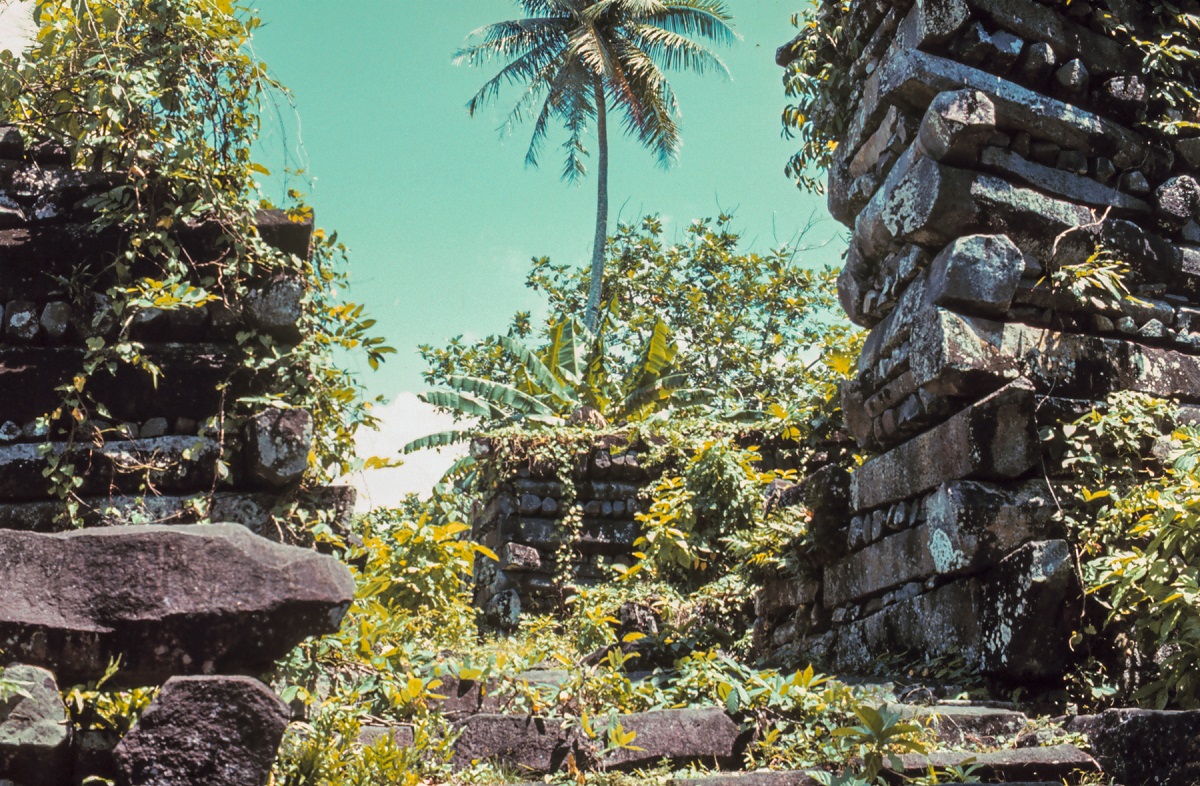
(592, 317)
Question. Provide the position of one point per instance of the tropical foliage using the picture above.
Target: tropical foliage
(1136, 517)
(574, 60)
(564, 380)
(817, 83)
(758, 329)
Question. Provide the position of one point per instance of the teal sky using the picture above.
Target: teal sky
(439, 211)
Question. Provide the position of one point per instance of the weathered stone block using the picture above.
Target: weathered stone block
(1057, 764)
(978, 274)
(957, 126)
(969, 525)
(1027, 616)
(995, 439)
(1145, 747)
(278, 442)
(911, 79)
(678, 736)
(944, 621)
(1057, 182)
(166, 600)
(34, 731)
(527, 745)
(601, 535)
(956, 724)
(189, 385)
(277, 308)
(219, 731)
(168, 464)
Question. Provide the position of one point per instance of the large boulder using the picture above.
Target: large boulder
(219, 731)
(197, 599)
(34, 734)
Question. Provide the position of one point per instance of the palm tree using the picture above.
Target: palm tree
(578, 58)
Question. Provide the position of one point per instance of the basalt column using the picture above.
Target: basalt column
(993, 144)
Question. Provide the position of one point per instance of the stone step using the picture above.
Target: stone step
(1059, 764)
(956, 724)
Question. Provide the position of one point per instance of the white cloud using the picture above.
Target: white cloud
(16, 25)
(403, 420)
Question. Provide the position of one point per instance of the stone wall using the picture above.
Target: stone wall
(199, 609)
(147, 452)
(992, 143)
(542, 556)
(548, 546)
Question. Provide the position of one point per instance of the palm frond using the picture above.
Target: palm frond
(698, 18)
(563, 355)
(675, 52)
(652, 396)
(538, 370)
(439, 440)
(500, 395)
(463, 404)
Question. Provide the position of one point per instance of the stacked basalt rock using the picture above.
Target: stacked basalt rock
(200, 609)
(992, 144)
(150, 457)
(542, 557)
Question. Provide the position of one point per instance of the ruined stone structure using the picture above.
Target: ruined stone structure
(178, 605)
(541, 555)
(991, 145)
(551, 537)
(153, 457)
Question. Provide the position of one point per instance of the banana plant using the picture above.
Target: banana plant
(570, 373)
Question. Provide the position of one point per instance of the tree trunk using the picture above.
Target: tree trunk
(592, 317)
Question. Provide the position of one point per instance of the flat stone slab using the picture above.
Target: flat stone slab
(996, 439)
(193, 599)
(219, 731)
(34, 732)
(764, 778)
(965, 724)
(679, 736)
(1060, 763)
(527, 745)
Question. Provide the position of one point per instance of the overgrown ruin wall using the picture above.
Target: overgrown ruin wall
(151, 448)
(198, 610)
(992, 143)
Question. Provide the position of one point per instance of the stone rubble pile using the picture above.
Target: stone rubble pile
(197, 608)
(992, 144)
